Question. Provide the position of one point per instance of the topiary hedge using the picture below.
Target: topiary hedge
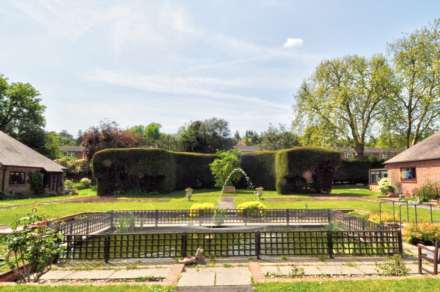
(138, 170)
(304, 169)
(260, 167)
(355, 171)
(134, 170)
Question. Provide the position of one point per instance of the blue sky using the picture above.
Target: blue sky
(170, 62)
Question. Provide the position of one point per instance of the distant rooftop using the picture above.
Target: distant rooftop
(428, 149)
(71, 148)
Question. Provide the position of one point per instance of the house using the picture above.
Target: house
(370, 152)
(74, 151)
(18, 162)
(416, 166)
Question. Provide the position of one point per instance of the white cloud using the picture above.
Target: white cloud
(293, 43)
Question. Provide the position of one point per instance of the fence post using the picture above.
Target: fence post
(245, 219)
(380, 212)
(156, 218)
(258, 244)
(112, 223)
(430, 208)
(183, 244)
(407, 212)
(399, 234)
(107, 248)
(287, 217)
(329, 217)
(394, 213)
(88, 226)
(400, 214)
(415, 214)
(330, 243)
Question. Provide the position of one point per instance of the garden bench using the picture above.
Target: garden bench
(429, 254)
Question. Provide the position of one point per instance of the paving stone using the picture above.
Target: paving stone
(90, 275)
(139, 273)
(193, 277)
(232, 276)
(56, 275)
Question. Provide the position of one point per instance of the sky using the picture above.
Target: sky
(172, 62)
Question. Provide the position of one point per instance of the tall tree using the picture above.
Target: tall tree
(21, 112)
(345, 96)
(278, 138)
(415, 111)
(208, 136)
(251, 138)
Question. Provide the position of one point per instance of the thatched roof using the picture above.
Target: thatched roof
(428, 149)
(14, 153)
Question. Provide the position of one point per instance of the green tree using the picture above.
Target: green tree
(278, 138)
(208, 136)
(346, 96)
(223, 166)
(251, 138)
(415, 111)
(65, 138)
(21, 112)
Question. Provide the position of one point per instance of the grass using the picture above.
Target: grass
(86, 288)
(414, 285)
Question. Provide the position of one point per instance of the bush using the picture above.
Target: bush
(394, 266)
(69, 187)
(36, 182)
(428, 191)
(426, 233)
(223, 166)
(252, 208)
(260, 167)
(33, 245)
(85, 183)
(198, 209)
(354, 171)
(385, 186)
(305, 169)
(378, 218)
(192, 170)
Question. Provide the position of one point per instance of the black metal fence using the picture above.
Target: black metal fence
(408, 212)
(97, 236)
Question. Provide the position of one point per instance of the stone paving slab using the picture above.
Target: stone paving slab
(89, 275)
(139, 273)
(232, 276)
(194, 277)
(56, 275)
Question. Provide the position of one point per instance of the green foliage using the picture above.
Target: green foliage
(223, 165)
(199, 209)
(125, 223)
(69, 187)
(208, 136)
(385, 186)
(305, 170)
(278, 138)
(394, 266)
(33, 245)
(428, 191)
(74, 167)
(85, 183)
(260, 167)
(345, 96)
(354, 171)
(134, 170)
(427, 233)
(192, 170)
(36, 181)
(252, 208)
(251, 138)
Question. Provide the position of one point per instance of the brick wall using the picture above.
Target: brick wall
(426, 171)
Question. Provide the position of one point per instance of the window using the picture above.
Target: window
(17, 178)
(408, 173)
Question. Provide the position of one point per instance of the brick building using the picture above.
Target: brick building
(416, 166)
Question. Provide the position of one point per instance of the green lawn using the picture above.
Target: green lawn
(85, 288)
(413, 285)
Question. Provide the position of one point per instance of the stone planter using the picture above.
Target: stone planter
(229, 190)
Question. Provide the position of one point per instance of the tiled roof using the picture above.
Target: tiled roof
(428, 149)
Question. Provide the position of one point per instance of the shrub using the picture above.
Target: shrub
(198, 209)
(305, 169)
(33, 245)
(394, 266)
(354, 171)
(428, 191)
(260, 167)
(385, 186)
(426, 233)
(223, 166)
(85, 183)
(252, 208)
(378, 218)
(192, 170)
(36, 182)
(69, 187)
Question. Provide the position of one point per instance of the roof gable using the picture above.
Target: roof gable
(428, 149)
(15, 153)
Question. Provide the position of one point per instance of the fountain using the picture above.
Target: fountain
(231, 189)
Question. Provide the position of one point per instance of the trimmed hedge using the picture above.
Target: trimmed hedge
(260, 167)
(138, 170)
(355, 171)
(293, 166)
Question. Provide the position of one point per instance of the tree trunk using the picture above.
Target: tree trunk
(359, 149)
